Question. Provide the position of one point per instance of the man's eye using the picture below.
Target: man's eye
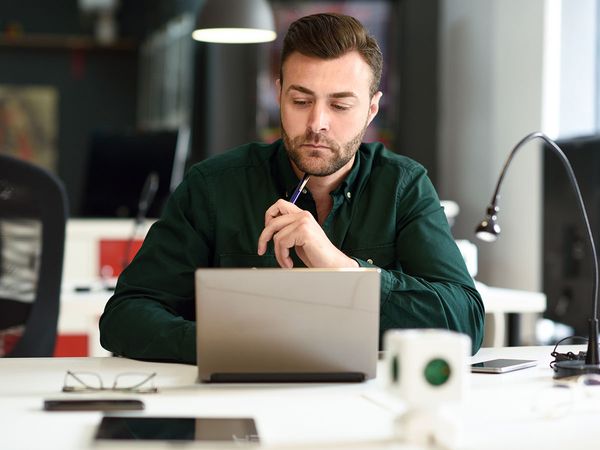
(339, 107)
(300, 102)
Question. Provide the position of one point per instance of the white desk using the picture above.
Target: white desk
(82, 244)
(500, 301)
(498, 414)
(80, 312)
(79, 316)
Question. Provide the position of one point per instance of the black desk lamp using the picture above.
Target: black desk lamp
(489, 230)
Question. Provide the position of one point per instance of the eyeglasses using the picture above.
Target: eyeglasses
(141, 383)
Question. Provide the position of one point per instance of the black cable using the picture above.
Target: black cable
(146, 197)
(566, 356)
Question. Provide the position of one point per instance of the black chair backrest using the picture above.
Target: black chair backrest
(28, 192)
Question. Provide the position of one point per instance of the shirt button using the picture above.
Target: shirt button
(304, 191)
(349, 194)
(370, 261)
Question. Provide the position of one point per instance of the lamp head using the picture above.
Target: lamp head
(235, 22)
(489, 230)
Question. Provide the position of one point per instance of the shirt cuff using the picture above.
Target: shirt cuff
(385, 279)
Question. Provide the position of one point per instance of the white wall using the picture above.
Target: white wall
(507, 68)
(491, 80)
(578, 62)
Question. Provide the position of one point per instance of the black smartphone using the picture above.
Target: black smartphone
(502, 365)
(79, 404)
(238, 430)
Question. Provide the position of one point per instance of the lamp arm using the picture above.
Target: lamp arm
(592, 353)
(522, 142)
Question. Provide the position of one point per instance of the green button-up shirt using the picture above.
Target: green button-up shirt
(386, 214)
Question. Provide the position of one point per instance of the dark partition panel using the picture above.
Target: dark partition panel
(568, 274)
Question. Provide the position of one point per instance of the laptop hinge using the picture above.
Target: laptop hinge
(288, 377)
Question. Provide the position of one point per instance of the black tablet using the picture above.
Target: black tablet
(239, 430)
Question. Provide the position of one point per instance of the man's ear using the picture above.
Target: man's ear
(374, 106)
(278, 88)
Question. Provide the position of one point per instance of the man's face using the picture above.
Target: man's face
(325, 110)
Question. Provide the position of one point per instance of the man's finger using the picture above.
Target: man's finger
(279, 208)
(283, 241)
(274, 225)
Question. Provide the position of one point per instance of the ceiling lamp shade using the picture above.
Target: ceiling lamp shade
(235, 22)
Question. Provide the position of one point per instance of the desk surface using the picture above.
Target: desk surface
(499, 413)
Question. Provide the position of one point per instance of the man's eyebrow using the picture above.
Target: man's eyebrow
(343, 94)
(297, 87)
(303, 90)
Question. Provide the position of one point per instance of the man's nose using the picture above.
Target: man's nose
(318, 120)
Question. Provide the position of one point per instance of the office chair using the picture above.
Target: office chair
(33, 211)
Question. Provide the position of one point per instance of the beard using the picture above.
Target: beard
(324, 161)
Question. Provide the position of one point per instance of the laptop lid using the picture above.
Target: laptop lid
(277, 325)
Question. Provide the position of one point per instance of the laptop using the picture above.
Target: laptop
(287, 325)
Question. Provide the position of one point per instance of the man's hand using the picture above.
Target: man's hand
(292, 227)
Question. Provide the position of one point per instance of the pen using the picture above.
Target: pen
(299, 188)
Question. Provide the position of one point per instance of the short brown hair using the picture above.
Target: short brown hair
(330, 36)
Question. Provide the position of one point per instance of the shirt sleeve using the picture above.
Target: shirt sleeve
(151, 314)
(429, 285)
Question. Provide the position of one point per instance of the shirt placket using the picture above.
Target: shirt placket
(338, 221)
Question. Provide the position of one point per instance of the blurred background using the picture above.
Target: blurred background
(103, 92)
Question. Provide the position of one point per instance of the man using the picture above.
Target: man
(363, 206)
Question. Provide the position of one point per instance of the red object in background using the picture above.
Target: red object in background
(71, 345)
(113, 258)
(78, 64)
(9, 338)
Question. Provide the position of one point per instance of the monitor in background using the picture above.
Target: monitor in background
(567, 266)
(119, 163)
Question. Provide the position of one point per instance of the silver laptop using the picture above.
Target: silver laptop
(287, 325)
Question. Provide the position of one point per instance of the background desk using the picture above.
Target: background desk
(78, 333)
(80, 311)
(499, 302)
(498, 414)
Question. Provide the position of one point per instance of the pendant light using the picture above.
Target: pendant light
(235, 22)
